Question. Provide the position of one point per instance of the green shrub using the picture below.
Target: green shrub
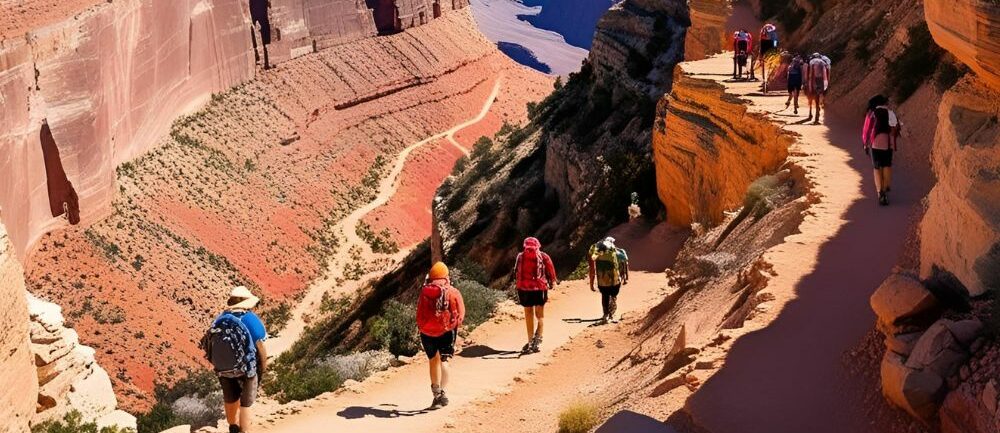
(480, 301)
(73, 423)
(286, 382)
(277, 317)
(917, 63)
(581, 272)
(395, 329)
(578, 418)
(198, 384)
(759, 194)
(472, 270)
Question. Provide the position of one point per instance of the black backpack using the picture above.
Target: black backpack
(228, 346)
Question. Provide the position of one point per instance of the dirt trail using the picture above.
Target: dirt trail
(352, 244)
(487, 367)
(791, 373)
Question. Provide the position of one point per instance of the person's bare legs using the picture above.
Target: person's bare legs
(231, 412)
(878, 181)
(797, 101)
(819, 103)
(245, 424)
(435, 369)
(444, 373)
(540, 318)
(887, 178)
(529, 321)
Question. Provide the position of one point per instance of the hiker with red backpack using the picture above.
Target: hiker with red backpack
(534, 275)
(234, 344)
(768, 43)
(879, 136)
(609, 267)
(440, 313)
(742, 47)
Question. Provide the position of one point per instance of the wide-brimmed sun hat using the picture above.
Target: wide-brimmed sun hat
(244, 299)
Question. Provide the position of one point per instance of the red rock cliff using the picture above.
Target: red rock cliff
(969, 30)
(18, 370)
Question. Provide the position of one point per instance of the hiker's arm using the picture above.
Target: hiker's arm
(592, 271)
(261, 357)
(550, 269)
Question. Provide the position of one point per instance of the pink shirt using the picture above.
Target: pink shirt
(877, 141)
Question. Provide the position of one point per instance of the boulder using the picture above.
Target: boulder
(965, 331)
(900, 297)
(989, 396)
(937, 351)
(917, 392)
(902, 344)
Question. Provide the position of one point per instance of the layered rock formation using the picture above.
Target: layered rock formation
(968, 29)
(966, 159)
(542, 178)
(107, 84)
(708, 149)
(17, 375)
(69, 378)
(398, 15)
(708, 33)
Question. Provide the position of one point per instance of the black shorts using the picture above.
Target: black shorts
(445, 345)
(532, 298)
(881, 158)
(242, 389)
(610, 291)
(766, 46)
(265, 29)
(795, 83)
(741, 46)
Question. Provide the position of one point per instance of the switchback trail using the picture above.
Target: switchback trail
(792, 374)
(487, 366)
(334, 283)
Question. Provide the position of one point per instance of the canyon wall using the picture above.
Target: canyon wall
(708, 149)
(708, 33)
(969, 30)
(541, 176)
(17, 369)
(83, 95)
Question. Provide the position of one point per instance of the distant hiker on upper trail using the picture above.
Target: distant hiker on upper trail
(234, 344)
(609, 265)
(795, 74)
(534, 275)
(768, 43)
(259, 16)
(817, 82)
(742, 47)
(880, 136)
(440, 313)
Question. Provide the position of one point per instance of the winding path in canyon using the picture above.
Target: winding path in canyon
(350, 240)
(793, 374)
(487, 366)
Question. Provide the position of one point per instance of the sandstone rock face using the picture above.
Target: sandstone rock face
(937, 351)
(960, 232)
(68, 375)
(968, 29)
(916, 392)
(108, 83)
(898, 298)
(333, 22)
(397, 15)
(708, 34)
(18, 371)
(707, 153)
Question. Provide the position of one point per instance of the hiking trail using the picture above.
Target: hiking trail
(487, 364)
(791, 372)
(334, 283)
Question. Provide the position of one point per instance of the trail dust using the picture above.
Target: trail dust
(354, 248)
(488, 364)
(792, 369)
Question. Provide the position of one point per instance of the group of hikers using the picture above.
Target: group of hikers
(234, 343)
(811, 74)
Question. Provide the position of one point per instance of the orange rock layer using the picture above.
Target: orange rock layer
(708, 149)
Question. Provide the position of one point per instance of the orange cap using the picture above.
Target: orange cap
(438, 271)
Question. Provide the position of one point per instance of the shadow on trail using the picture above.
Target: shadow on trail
(792, 376)
(360, 412)
(487, 352)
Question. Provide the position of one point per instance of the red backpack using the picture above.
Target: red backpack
(528, 278)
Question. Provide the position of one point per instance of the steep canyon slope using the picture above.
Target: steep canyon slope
(247, 189)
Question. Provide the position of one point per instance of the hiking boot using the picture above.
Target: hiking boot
(883, 199)
(233, 428)
(440, 400)
(535, 342)
(527, 349)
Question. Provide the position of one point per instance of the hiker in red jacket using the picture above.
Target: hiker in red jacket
(534, 275)
(440, 313)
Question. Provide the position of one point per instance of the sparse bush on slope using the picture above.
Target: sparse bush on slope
(73, 423)
(579, 417)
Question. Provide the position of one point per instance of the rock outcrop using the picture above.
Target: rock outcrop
(960, 233)
(107, 83)
(17, 371)
(708, 33)
(708, 150)
(968, 29)
(69, 378)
